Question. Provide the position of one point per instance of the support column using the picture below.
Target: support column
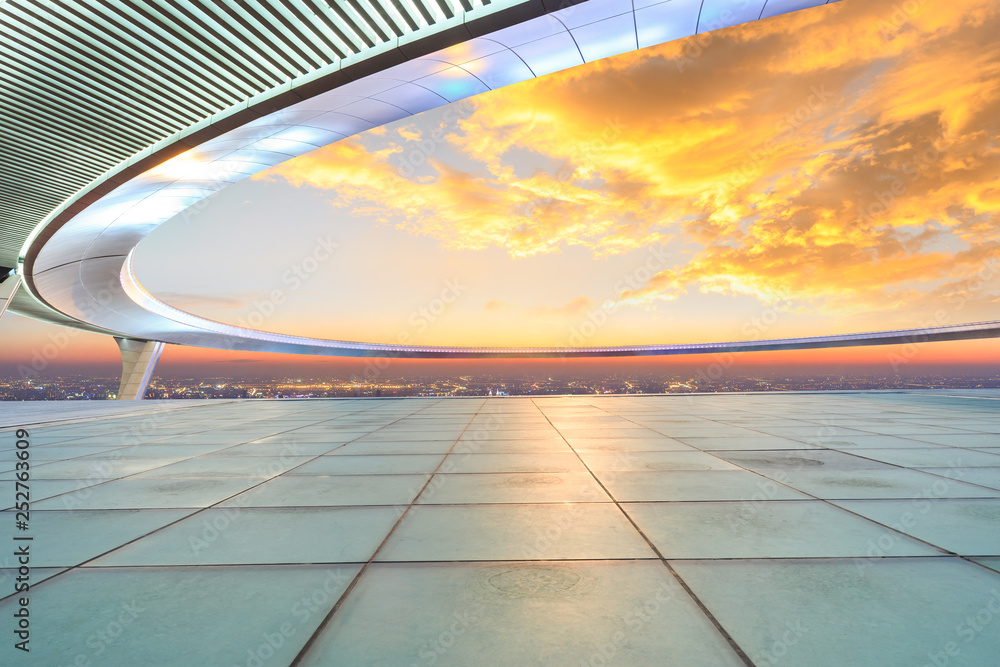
(8, 289)
(139, 359)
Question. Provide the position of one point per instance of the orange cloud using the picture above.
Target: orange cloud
(845, 156)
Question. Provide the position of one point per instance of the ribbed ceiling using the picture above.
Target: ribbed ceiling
(85, 84)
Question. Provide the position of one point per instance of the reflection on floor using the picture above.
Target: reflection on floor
(797, 529)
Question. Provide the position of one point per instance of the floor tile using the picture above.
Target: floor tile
(248, 535)
(992, 562)
(99, 469)
(39, 489)
(501, 614)
(965, 527)
(276, 449)
(514, 532)
(523, 445)
(150, 493)
(803, 460)
(393, 447)
(181, 616)
(756, 441)
(896, 483)
(895, 611)
(936, 457)
(386, 464)
(694, 485)
(330, 491)
(768, 529)
(527, 462)
(519, 487)
(663, 444)
(9, 577)
(989, 477)
(66, 539)
(623, 461)
(212, 466)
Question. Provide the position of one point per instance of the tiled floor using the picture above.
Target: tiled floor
(814, 529)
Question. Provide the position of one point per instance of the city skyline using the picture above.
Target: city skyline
(711, 380)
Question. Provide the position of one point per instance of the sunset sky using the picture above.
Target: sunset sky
(828, 171)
